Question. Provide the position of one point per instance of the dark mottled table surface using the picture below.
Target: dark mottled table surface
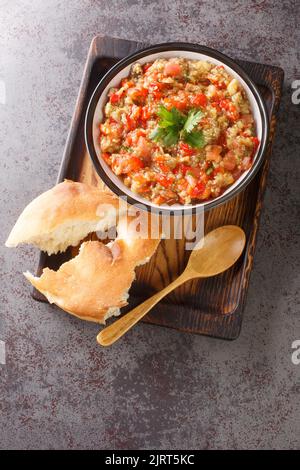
(157, 388)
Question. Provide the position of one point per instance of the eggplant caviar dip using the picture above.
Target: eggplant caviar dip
(178, 131)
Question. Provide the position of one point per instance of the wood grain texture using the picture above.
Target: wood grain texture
(212, 306)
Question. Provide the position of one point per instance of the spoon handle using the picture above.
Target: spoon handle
(113, 332)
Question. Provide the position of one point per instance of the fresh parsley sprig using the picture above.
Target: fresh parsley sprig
(174, 125)
(193, 118)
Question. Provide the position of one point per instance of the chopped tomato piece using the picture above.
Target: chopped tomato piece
(222, 140)
(133, 137)
(221, 85)
(182, 169)
(172, 70)
(230, 108)
(102, 129)
(219, 169)
(114, 98)
(128, 140)
(186, 149)
(179, 102)
(213, 153)
(115, 130)
(106, 157)
(157, 86)
(195, 171)
(164, 168)
(137, 95)
(225, 104)
(140, 178)
(182, 184)
(206, 193)
(126, 164)
(204, 177)
(198, 190)
(255, 140)
(155, 89)
(146, 67)
(159, 200)
(146, 113)
(144, 185)
(143, 148)
(246, 163)
(247, 119)
(125, 82)
(130, 122)
(144, 189)
(191, 179)
(216, 105)
(140, 132)
(136, 112)
(229, 161)
(169, 195)
(236, 174)
(159, 158)
(135, 163)
(199, 100)
(157, 95)
(164, 180)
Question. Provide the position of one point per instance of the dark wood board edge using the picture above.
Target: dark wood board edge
(67, 154)
(271, 76)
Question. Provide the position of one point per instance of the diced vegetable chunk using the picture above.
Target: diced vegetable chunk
(178, 130)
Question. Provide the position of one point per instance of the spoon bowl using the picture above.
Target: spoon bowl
(217, 251)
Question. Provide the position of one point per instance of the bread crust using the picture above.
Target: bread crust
(69, 209)
(94, 284)
(86, 285)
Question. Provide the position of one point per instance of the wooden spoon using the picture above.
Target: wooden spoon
(215, 253)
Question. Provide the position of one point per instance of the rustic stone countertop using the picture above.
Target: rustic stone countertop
(157, 388)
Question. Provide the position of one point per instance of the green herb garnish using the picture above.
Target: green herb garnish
(193, 118)
(195, 139)
(174, 125)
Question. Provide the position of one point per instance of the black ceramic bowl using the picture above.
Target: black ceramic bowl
(113, 77)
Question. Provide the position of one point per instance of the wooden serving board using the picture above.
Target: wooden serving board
(214, 306)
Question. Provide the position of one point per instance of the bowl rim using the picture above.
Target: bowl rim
(163, 47)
